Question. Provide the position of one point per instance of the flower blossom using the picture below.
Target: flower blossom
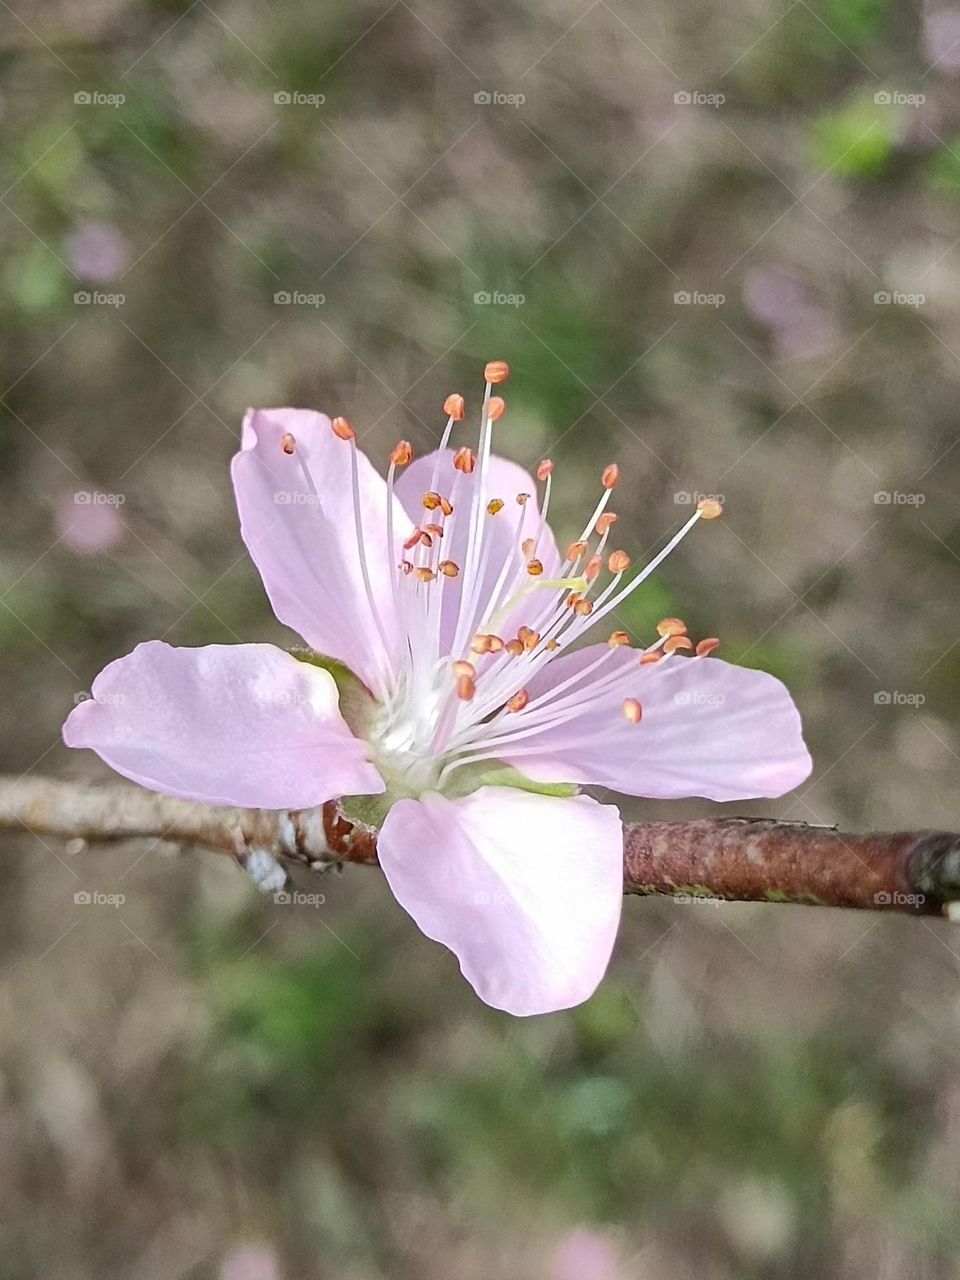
(472, 716)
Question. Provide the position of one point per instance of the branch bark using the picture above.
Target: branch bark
(737, 859)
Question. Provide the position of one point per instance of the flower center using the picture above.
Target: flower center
(484, 603)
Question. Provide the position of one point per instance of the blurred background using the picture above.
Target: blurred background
(717, 243)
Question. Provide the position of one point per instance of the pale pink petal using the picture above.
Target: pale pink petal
(525, 889)
(708, 729)
(301, 533)
(243, 724)
(506, 531)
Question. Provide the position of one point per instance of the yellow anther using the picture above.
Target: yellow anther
(448, 568)
(494, 506)
(425, 575)
(431, 501)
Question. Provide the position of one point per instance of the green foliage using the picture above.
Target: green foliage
(855, 141)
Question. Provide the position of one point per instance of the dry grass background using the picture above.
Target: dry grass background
(755, 1092)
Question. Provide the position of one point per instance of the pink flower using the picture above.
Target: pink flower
(472, 721)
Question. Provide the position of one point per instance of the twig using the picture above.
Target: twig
(741, 859)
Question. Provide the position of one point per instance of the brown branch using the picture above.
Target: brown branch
(739, 859)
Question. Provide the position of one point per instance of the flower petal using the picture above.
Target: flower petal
(525, 889)
(505, 532)
(708, 729)
(300, 531)
(243, 724)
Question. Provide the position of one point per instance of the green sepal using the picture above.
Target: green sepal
(357, 704)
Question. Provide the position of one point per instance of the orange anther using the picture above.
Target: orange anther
(583, 607)
(412, 540)
(544, 469)
(402, 454)
(592, 568)
(606, 521)
(611, 476)
(649, 658)
(632, 710)
(677, 642)
(446, 507)
(496, 371)
(707, 646)
(530, 640)
(495, 644)
(671, 627)
(709, 508)
(433, 529)
(514, 648)
(618, 639)
(466, 688)
(552, 645)
(455, 407)
(287, 443)
(534, 568)
(576, 550)
(496, 406)
(463, 460)
(342, 429)
(518, 701)
(618, 562)
(462, 668)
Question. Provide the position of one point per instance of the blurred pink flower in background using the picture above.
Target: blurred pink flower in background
(778, 299)
(250, 1262)
(96, 251)
(584, 1254)
(88, 528)
(941, 39)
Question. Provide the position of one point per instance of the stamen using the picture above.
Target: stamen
(287, 443)
(534, 568)
(671, 627)
(544, 469)
(406, 566)
(611, 476)
(583, 608)
(342, 429)
(448, 568)
(618, 562)
(435, 529)
(514, 648)
(463, 460)
(575, 551)
(606, 522)
(649, 658)
(632, 710)
(494, 506)
(707, 646)
(496, 371)
(496, 406)
(593, 567)
(455, 407)
(518, 701)
(618, 639)
(402, 454)
(709, 508)
(425, 575)
(431, 501)
(446, 506)
(463, 668)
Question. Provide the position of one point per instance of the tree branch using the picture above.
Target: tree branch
(738, 859)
